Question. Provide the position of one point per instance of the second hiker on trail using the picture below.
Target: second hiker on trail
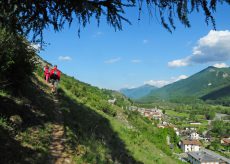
(55, 75)
(46, 73)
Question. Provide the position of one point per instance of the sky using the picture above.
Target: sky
(142, 53)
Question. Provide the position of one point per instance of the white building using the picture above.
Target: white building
(177, 133)
(202, 158)
(112, 101)
(195, 123)
(133, 108)
(207, 157)
(194, 136)
(190, 145)
(190, 129)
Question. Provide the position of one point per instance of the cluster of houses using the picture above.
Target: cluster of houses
(153, 113)
(198, 155)
(190, 142)
(192, 147)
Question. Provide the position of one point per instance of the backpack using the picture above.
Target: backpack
(55, 75)
(55, 72)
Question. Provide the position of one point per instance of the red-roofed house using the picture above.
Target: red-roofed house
(190, 145)
(225, 141)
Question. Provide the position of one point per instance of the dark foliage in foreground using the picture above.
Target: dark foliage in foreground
(34, 16)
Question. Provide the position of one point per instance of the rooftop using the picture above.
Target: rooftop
(203, 156)
(216, 155)
(226, 140)
(191, 142)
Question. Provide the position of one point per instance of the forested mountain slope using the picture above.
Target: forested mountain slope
(196, 86)
(135, 93)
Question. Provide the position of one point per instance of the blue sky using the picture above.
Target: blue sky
(141, 53)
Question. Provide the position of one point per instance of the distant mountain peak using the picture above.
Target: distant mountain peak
(211, 68)
(148, 85)
(202, 83)
(138, 92)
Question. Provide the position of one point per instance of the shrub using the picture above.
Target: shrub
(16, 58)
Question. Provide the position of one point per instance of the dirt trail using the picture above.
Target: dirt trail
(58, 151)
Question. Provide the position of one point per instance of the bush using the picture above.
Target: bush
(210, 115)
(220, 128)
(16, 58)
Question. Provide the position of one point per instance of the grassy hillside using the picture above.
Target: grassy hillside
(194, 87)
(136, 93)
(78, 125)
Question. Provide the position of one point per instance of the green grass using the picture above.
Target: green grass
(176, 114)
(141, 145)
(96, 132)
(25, 124)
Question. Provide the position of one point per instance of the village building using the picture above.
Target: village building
(133, 108)
(194, 136)
(190, 145)
(177, 133)
(225, 141)
(190, 129)
(150, 113)
(202, 158)
(195, 123)
(160, 126)
(176, 130)
(164, 123)
(112, 101)
(206, 157)
(187, 132)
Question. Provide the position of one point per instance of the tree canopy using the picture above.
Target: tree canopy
(16, 59)
(25, 16)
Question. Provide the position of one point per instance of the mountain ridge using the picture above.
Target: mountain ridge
(138, 92)
(196, 86)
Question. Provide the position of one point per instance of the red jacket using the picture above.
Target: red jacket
(55, 71)
(46, 71)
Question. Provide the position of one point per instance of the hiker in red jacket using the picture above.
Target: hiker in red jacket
(46, 73)
(55, 75)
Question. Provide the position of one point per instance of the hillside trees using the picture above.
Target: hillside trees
(23, 17)
(16, 59)
(220, 128)
(210, 115)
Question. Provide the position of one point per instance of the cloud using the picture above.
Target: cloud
(114, 60)
(136, 61)
(220, 65)
(178, 63)
(64, 58)
(157, 83)
(145, 41)
(181, 77)
(213, 47)
(161, 83)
